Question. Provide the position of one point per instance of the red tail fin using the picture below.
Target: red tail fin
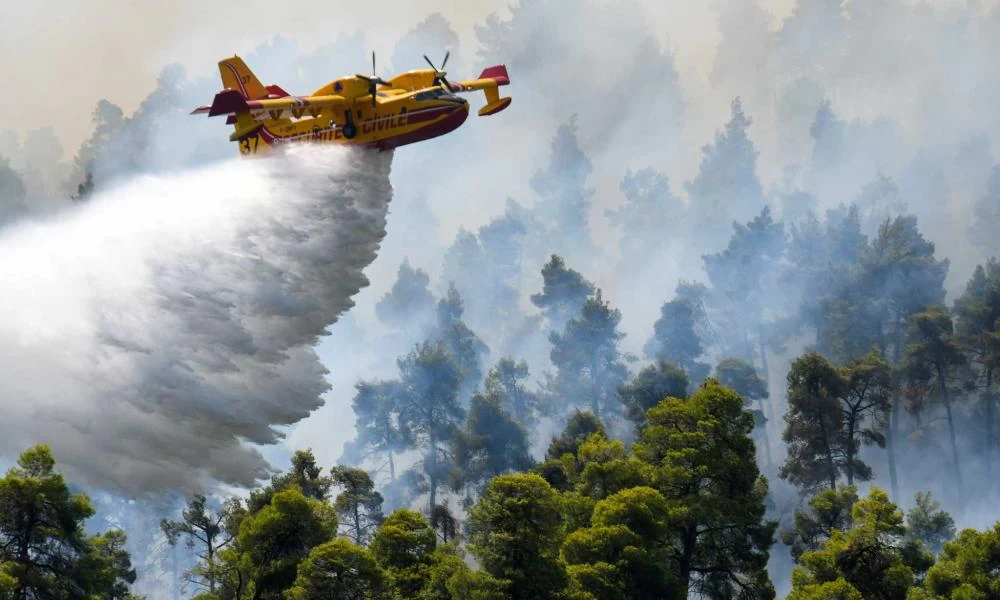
(497, 73)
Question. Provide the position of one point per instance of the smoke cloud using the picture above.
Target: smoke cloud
(156, 334)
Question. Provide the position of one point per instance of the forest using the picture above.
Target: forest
(600, 387)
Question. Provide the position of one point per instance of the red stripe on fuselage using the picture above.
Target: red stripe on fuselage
(448, 118)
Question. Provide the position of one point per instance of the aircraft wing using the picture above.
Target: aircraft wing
(230, 102)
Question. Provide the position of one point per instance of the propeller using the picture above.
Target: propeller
(373, 81)
(439, 74)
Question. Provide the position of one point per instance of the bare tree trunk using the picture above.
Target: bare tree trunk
(760, 401)
(829, 459)
(951, 429)
(211, 566)
(175, 572)
(686, 559)
(392, 464)
(433, 473)
(988, 399)
(357, 525)
(890, 437)
(850, 450)
(767, 439)
(890, 445)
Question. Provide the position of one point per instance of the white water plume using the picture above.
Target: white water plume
(152, 335)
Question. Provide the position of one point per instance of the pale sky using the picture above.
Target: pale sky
(62, 56)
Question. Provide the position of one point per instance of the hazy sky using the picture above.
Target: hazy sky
(62, 56)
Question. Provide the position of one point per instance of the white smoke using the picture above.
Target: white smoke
(153, 335)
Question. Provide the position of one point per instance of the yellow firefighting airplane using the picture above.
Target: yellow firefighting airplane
(363, 110)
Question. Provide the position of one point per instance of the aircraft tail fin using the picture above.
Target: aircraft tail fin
(236, 75)
(497, 73)
(498, 76)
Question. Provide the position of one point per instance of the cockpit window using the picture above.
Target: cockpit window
(430, 94)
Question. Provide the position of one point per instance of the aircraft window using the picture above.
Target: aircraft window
(430, 94)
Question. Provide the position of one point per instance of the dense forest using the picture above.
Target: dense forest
(596, 387)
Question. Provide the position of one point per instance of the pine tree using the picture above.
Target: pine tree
(44, 550)
(563, 293)
(580, 426)
(871, 560)
(620, 555)
(879, 201)
(515, 533)
(492, 442)
(726, 186)
(927, 523)
(589, 363)
(831, 412)
(704, 465)
(932, 358)
(987, 217)
(896, 277)
(339, 570)
(403, 545)
(866, 403)
(649, 214)
(978, 331)
(380, 432)
(969, 567)
(742, 378)
(466, 349)
(306, 476)
(741, 277)
(504, 382)
(358, 505)
(273, 541)
(205, 529)
(675, 339)
(649, 387)
(814, 431)
(430, 408)
(563, 203)
(829, 511)
(486, 269)
(12, 192)
(409, 305)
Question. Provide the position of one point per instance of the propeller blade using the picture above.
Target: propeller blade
(373, 63)
(445, 61)
(430, 63)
